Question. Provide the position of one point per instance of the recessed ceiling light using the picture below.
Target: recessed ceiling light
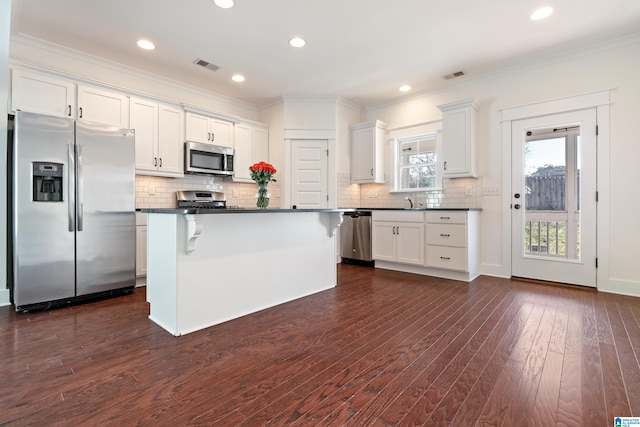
(405, 88)
(225, 4)
(146, 44)
(541, 13)
(297, 42)
(237, 78)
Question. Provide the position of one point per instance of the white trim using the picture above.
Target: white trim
(621, 287)
(309, 134)
(601, 100)
(558, 105)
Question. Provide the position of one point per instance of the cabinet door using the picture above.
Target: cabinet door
(144, 120)
(170, 141)
(243, 151)
(39, 93)
(197, 128)
(141, 250)
(97, 105)
(383, 240)
(260, 145)
(410, 243)
(362, 155)
(221, 132)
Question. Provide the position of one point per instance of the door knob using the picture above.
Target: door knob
(516, 206)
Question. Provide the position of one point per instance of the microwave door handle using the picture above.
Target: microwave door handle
(71, 184)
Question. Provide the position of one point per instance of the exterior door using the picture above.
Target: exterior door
(310, 188)
(554, 198)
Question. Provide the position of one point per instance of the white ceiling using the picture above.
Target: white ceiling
(362, 50)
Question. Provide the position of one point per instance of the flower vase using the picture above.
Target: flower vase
(262, 197)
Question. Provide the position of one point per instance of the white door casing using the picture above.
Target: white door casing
(309, 174)
(581, 269)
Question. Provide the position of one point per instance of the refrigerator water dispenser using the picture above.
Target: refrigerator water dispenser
(47, 182)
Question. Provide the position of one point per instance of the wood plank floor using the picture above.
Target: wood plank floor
(382, 348)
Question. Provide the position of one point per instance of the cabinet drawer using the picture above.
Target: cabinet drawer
(447, 235)
(399, 215)
(447, 217)
(447, 257)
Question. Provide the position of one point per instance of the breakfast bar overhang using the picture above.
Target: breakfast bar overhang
(208, 266)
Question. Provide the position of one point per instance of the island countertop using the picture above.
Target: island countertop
(198, 211)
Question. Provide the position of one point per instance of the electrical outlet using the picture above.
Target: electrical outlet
(468, 191)
(490, 190)
(234, 194)
(152, 191)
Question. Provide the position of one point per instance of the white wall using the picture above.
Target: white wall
(5, 20)
(612, 65)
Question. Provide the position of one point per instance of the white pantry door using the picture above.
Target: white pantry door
(309, 163)
(553, 197)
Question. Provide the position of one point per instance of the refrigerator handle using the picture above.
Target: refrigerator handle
(71, 205)
(80, 187)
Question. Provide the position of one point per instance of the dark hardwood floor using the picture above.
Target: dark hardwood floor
(382, 348)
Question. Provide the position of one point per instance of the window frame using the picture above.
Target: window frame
(416, 132)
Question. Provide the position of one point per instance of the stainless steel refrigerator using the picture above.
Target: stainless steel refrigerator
(72, 210)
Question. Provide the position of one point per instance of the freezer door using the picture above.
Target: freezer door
(106, 223)
(43, 236)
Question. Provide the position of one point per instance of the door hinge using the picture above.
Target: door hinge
(327, 151)
(597, 130)
(327, 197)
(596, 262)
(597, 195)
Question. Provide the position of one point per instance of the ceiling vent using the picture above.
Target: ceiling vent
(205, 64)
(454, 75)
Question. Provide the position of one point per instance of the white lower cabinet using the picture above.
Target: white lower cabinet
(398, 236)
(141, 244)
(452, 240)
(432, 242)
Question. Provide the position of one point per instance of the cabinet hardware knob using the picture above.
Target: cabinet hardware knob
(445, 165)
(371, 171)
(445, 257)
(445, 235)
(155, 161)
(445, 217)
(69, 110)
(160, 161)
(80, 112)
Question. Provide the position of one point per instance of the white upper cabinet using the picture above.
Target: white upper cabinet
(97, 105)
(43, 94)
(251, 146)
(459, 138)
(159, 138)
(367, 146)
(211, 130)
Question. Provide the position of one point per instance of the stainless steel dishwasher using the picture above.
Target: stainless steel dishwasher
(355, 237)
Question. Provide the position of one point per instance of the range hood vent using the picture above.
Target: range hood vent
(205, 64)
(454, 75)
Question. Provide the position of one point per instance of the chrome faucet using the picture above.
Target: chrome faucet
(410, 198)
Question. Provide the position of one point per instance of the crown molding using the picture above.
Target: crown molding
(76, 55)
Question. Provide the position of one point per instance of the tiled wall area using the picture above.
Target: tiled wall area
(159, 192)
(455, 193)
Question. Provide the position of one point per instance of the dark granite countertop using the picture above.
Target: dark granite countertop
(192, 211)
(419, 209)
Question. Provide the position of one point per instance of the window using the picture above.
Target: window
(417, 162)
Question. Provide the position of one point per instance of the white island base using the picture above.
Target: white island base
(205, 269)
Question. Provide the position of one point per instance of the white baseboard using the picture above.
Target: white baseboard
(620, 287)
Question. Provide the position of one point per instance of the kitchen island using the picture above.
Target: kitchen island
(207, 266)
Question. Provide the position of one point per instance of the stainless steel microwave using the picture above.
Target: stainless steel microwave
(208, 159)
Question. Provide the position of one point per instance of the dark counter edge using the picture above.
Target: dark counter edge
(193, 211)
